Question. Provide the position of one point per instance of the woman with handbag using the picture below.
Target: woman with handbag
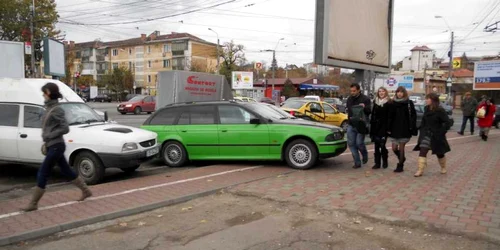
(402, 124)
(54, 126)
(435, 124)
(485, 114)
(378, 127)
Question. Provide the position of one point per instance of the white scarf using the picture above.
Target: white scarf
(381, 102)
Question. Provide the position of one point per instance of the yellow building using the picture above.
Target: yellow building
(146, 56)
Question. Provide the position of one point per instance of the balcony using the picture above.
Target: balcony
(89, 72)
(178, 53)
(101, 58)
(101, 71)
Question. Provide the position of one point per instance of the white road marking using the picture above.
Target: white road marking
(414, 144)
(136, 190)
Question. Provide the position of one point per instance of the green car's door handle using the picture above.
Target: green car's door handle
(184, 131)
(224, 130)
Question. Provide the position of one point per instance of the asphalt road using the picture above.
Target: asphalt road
(128, 119)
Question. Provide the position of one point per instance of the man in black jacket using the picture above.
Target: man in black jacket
(357, 125)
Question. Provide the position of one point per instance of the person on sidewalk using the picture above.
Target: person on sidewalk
(378, 127)
(402, 124)
(435, 124)
(358, 110)
(468, 106)
(486, 121)
(54, 126)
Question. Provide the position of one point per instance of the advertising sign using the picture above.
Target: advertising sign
(53, 58)
(12, 62)
(242, 80)
(487, 75)
(258, 66)
(354, 34)
(395, 81)
(93, 92)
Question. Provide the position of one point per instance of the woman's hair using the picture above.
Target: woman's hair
(402, 90)
(435, 101)
(386, 92)
(53, 90)
(492, 100)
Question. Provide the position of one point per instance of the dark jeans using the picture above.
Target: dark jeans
(55, 155)
(464, 123)
(356, 142)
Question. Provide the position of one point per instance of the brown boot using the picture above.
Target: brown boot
(422, 164)
(33, 205)
(86, 193)
(442, 163)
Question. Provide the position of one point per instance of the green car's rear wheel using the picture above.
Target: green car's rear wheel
(174, 154)
(301, 154)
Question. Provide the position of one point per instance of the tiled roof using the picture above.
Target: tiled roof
(421, 48)
(461, 73)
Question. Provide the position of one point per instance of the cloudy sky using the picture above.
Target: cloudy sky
(259, 24)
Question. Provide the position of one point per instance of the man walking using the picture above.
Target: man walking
(469, 105)
(358, 111)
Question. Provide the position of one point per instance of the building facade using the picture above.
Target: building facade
(421, 57)
(145, 56)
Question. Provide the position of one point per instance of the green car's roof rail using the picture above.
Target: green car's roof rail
(196, 102)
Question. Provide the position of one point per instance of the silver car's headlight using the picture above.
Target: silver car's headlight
(129, 146)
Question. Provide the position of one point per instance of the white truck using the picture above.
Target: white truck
(184, 86)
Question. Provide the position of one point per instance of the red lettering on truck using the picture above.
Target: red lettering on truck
(193, 80)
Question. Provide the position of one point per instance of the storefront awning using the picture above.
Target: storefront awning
(304, 86)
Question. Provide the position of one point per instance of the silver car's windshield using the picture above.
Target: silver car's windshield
(80, 113)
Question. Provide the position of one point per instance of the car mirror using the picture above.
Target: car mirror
(106, 117)
(255, 121)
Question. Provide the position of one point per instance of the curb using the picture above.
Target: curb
(30, 235)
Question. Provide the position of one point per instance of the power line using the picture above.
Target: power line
(479, 23)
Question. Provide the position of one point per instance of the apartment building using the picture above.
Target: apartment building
(145, 56)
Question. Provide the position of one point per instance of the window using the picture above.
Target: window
(130, 65)
(165, 117)
(329, 109)
(130, 51)
(149, 78)
(315, 107)
(9, 115)
(166, 48)
(234, 115)
(197, 115)
(78, 54)
(115, 52)
(166, 63)
(149, 64)
(33, 117)
(180, 46)
(149, 49)
(148, 99)
(115, 65)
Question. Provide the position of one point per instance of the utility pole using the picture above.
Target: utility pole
(425, 78)
(218, 49)
(32, 28)
(450, 67)
(274, 64)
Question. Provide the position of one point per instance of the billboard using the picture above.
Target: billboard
(242, 80)
(53, 57)
(12, 62)
(395, 81)
(487, 75)
(354, 34)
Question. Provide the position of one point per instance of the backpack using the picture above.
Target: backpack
(359, 120)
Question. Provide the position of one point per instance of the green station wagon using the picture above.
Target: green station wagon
(228, 130)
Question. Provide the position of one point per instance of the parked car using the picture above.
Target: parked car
(244, 99)
(447, 108)
(267, 100)
(419, 108)
(316, 111)
(336, 103)
(225, 130)
(130, 96)
(312, 98)
(496, 121)
(102, 98)
(291, 99)
(137, 105)
(93, 143)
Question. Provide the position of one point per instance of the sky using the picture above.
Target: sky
(260, 24)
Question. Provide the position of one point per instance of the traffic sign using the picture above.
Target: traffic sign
(457, 63)
(448, 82)
(27, 48)
(258, 65)
(391, 82)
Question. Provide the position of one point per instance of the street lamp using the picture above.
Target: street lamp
(218, 49)
(450, 55)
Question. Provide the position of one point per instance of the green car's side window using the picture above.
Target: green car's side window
(197, 115)
(234, 115)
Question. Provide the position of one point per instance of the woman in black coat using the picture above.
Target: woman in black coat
(378, 127)
(402, 124)
(435, 124)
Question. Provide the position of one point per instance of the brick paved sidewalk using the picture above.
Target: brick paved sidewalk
(58, 211)
(466, 199)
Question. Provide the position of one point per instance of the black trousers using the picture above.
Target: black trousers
(465, 119)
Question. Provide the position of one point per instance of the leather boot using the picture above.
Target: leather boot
(399, 168)
(442, 163)
(377, 161)
(37, 195)
(86, 193)
(385, 159)
(422, 164)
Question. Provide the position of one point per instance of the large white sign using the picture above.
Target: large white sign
(354, 34)
(53, 58)
(93, 92)
(395, 81)
(242, 80)
(487, 75)
(12, 59)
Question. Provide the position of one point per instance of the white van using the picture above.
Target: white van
(92, 145)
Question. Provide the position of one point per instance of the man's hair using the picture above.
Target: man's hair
(356, 85)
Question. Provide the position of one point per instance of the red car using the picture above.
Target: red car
(137, 105)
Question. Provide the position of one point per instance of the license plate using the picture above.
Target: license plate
(152, 152)
(120, 108)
